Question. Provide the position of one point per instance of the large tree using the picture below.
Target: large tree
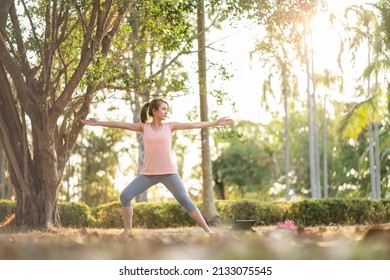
(209, 210)
(52, 57)
(367, 31)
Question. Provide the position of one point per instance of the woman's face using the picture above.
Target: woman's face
(162, 111)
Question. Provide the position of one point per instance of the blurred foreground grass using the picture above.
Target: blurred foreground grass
(371, 242)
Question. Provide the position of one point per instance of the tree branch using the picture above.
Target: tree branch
(11, 155)
(24, 93)
(19, 42)
(67, 140)
(4, 10)
(26, 10)
(89, 50)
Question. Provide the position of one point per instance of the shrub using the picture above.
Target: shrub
(148, 215)
(75, 214)
(268, 213)
(175, 215)
(359, 211)
(264, 212)
(309, 212)
(385, 217)
(7, 208)
(109, 215)
(242, 210)
(337, 210)
(223, 208)
(71, 214)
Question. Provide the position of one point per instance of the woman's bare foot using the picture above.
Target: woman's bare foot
(126, 233)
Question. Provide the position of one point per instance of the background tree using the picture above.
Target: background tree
(290, 20)
(96, 157)
(383, 49)
(209, 210)
(248, 164)
(327, 80)
(343, 158)
(368, 113)
(276, 58)
(243, 167)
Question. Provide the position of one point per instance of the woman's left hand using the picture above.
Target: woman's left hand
(224, 121)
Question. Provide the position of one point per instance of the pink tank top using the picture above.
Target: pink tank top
(158, 151)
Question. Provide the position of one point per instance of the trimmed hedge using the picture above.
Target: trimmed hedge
(7, 208)
(72, 214)
(306, 212)
(265, 213)
(75, 215)
(146, 215)
(313, 212)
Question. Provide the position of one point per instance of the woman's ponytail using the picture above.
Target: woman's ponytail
(144, 112)
(147, 109)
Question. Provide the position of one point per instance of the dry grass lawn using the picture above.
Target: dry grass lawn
(333, 242)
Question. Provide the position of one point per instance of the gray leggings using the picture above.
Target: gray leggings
(144, 182)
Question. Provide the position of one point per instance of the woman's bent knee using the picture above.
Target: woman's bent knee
(125, 201)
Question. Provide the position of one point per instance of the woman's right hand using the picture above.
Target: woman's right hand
(90, 121)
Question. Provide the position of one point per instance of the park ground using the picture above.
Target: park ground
(359, 242)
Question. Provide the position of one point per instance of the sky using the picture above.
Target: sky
(234, 47)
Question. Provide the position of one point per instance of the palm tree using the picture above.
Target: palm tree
(275, 58)
(312, 116)
(290, 20)
(327, 79)
(366, 113)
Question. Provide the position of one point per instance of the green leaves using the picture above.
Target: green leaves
(359, 117)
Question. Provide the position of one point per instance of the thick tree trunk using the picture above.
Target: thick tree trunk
(36, 195)
(209, 210)
(3, 190)
(39, 210)
(36, 186)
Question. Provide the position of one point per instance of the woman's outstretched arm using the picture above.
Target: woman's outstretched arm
(129, 126)
(193, 125)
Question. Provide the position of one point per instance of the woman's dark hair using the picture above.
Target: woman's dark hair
(147, 109)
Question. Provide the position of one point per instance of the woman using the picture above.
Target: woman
(158, 165)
